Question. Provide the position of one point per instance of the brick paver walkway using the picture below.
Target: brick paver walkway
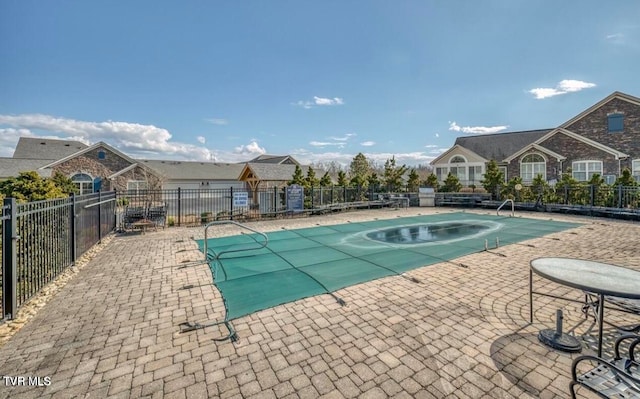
(463, 332)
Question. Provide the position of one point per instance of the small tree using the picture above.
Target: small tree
(373, 181)
(342, 179)
(64, 183)
(414, 181)
(493, 178)
(326, 181)
(393, 174)
(432, 181)
(625, 179)
(510, 191)
(311, 180)
(359, 171)
(298, 177)
(451, 184)
(29, 186)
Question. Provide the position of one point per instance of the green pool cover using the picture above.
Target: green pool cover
(306, 262)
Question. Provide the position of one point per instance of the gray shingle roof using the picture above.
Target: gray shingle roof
(276, 159)
(500, 145)
(10, 167)
(275, 172)
(184, 170)
(38, 148)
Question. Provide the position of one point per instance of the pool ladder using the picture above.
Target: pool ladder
(216, 256)
(504, 203)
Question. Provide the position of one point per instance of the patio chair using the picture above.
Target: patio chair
(133, 214)
(158, 215)
(631, 306)
(619, 378)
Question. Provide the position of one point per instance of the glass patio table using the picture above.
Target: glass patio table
(595, 277)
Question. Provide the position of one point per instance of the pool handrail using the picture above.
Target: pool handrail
(504, 203)
(219, 222)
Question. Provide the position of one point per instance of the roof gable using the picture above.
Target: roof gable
(275, 159)
(615, 95)
(457, 149)
(91, 148)
(583, 139)
(272, 172)
(537, 147)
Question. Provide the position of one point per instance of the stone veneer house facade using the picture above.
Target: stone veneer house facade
(103, 167)
(603, 139)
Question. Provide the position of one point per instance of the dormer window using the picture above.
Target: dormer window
(615, 122)
(102, 154)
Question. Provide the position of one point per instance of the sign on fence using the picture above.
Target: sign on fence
(240, 198)
(295, 198)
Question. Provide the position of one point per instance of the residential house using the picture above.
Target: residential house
(197, 175)
(603, 139)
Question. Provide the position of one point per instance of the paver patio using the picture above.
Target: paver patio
(463, 332)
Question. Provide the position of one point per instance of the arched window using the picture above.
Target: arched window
(83, 182)
(459, 171)
(531, 166)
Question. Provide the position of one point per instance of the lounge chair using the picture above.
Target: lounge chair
(618, 378)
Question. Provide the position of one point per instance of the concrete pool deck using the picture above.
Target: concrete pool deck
(463, 332)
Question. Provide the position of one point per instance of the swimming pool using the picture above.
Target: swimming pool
(299, 263)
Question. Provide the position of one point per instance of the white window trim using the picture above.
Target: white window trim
(587, 171)
(456, 156)
(504, 171)
(447, 169)
(544, 169)
(137, 188)
(80, 184)
(635, 167)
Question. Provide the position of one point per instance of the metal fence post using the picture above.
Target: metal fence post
(9, 272)
(72, 225)
(99, 217)
(620, 196)
(231, 202)
(179, 208)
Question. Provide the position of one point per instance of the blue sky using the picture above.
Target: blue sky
(321, 81)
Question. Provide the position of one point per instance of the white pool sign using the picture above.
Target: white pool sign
(240, 198)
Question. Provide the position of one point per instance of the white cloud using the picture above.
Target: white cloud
(251, 149)
(217, 121)
(437, 134)
(368, 143)
(319, 101)
(343, 138)
(328, 101)
(201, 139)
(430, 146)
(615, 36)
(136, 140)
(563, 87)
(476, 129)
(326, 144)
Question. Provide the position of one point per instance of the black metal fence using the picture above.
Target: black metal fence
(192, 206)
(621, 197)
(42, 239)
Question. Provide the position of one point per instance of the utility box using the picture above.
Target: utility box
(427, 196)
